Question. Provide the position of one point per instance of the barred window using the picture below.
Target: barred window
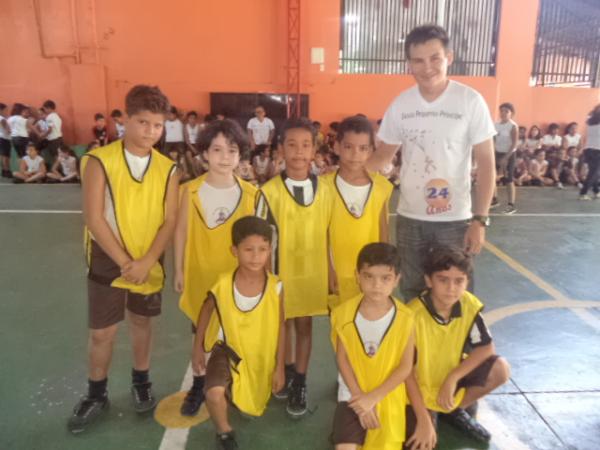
(373, 33)
(567, 48)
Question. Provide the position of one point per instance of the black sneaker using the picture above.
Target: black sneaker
(7, 174)
(495, 203)
(192, 402)
(290, 373)
(296, 405)
(143, 400)
(460, 419)
(226, 441)
(86, 411)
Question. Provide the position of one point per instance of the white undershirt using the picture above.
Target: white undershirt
(355, 197)
(246, 304)
(371, 333)
(218, 204)
(33, 165)
(173, 131)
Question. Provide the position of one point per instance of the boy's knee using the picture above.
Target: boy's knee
(139, 321)
(103, 336)
(215, 394)
(304, 326)
(500, 371)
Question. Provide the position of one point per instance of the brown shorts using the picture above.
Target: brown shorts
(106, 304)
(348, 430)
(218, 370)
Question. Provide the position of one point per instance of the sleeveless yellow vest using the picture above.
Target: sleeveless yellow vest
(139, 207)
(208, 250)
(440, 347)
(371, 372)
(252, 336)
(301, 247)
(348, 234)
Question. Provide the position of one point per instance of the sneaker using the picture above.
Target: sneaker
(579, 185)
(290, 373)
(460, 419)
(296, 406)
(559, 185)
(597, 195)
(495, 203)
(585, 197)
(143, 400)
(192, 402)
(7, 174)
(226, 441)
(510, 209)
(86, 411)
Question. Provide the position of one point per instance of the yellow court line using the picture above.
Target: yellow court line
(543, 285)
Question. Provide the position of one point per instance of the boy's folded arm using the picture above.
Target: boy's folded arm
(477, 356)
(400, 373)
(346, 369)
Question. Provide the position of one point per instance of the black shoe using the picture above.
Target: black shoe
(192, 402)
(226, 441)
(7, 174)
(459, 418)
(495, 203)
(143, 400)
(296, 406)
(18, 181)
(290, 374)
(86, 411)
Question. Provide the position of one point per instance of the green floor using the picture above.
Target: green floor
(552, 341)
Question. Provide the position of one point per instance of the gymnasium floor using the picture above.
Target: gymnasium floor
(539, 277)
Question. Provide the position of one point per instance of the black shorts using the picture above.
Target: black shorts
(20, 145)
(5, 147)
(510, 164)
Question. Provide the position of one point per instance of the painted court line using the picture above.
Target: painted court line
(567, 215)
(176, 438)
(40, 211)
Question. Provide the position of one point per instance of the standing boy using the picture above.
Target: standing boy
(130, 208)
(360, 203)
(298, 206)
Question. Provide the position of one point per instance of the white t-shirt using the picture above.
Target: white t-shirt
(120, 129)
(503, 140)
(246, 303)
(137, 168)
(33, 165)
(42, 125)
(437, 139)
(68, 165)
(355, 197)
(261, 166)
(552, 141)
(3, 133)
(192, 132)
(174, 131)
(55, 124)
(572, 140)
(260, 130)
(18, 126)
(593, 137)
(218, 204)
(371, 333)
(532, 144)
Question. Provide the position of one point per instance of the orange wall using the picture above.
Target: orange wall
(87, 57)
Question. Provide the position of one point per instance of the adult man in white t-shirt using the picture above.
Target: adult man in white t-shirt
(54, 136)
(260, 128)
(439, 125)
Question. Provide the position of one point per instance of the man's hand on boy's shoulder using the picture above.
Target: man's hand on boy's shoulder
(446, 394)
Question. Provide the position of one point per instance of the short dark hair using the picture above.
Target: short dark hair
(334, 126)
(538, 151)
(444, 257)
(316, 123)
(297, 123)
(378, 254)
(568, 127)
(228, 128)
(424, 33)
(191, 113)
(98, 116)
(553, 126)
(594, 116)
(508, 106)
(116, 113)
(49, 104)
(530, 133)
(173, 110)
(356, 124)
(146, 98)
(2, 106)
(250, 226)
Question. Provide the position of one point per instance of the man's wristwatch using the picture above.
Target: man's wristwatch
(483, 220)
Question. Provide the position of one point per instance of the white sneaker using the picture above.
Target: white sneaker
(579, 185)
(585, 197)
(597, 195)
(559, 185)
